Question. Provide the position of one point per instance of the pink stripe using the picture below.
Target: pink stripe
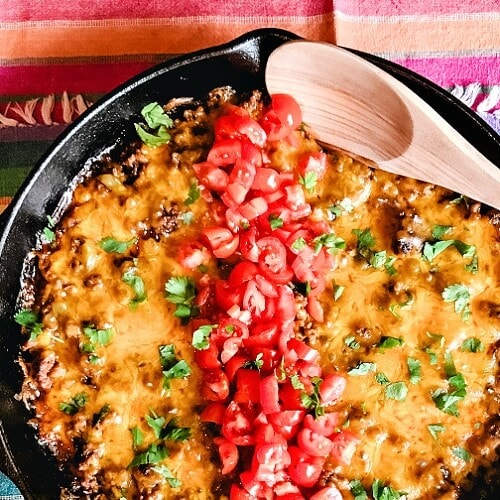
(18, 10)
(447, 72)
(414, 7)
(73, 78)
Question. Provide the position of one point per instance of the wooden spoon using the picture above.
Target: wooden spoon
(353, 105)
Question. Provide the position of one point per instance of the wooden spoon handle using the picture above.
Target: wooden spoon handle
(354, 105)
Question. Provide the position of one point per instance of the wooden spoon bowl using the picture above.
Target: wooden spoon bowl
(355, 106)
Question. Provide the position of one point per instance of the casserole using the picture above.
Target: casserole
(239, 64)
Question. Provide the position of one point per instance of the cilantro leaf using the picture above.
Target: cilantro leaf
(201, 335)
(396, 390)
(431, 250)
(75, 404)
(338, 291)
(362, 368)
(382, 379)
(366, 241)
(30, 320)
(154, 454)
(168, 475)
(446, 401)
(48, 231)
(351, 342)
(472, 344)
(275, 221)
(181, 291)
(112, 245)
(460, 295)
(134, 281)
(439, 231)
(377, 260)
(137, 436)
(299, 244)
(313, 401)
(435, 430)
(193, 194)
(357, 490)
(385, 492)
(461, 453)
(330, 241)
(415, 369)
(158, 122)
(309, 180)
(388, 342)
(98, 417)
(172, 367)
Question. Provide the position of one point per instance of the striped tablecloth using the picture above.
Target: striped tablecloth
(57, 57)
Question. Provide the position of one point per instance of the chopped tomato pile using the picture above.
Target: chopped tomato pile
(266, 389)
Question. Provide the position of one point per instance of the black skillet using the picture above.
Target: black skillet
(240, 64)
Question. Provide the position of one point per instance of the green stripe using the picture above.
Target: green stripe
(16, 161)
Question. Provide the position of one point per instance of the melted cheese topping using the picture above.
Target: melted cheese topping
(83, 285)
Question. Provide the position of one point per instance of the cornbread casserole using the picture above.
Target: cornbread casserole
(131, 287)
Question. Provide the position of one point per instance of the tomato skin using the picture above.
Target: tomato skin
(221, 240)
(208, 359)
(269, 394)
(328, 493)
(272, 260)
(211, 176)
(313, 162)
(332, 388)
(247, 386)
(322, 424)
(213, 412)
(314, 307)
(344, 446)
(287, 110)
(233, 365)
(237, 493)
(241, 273)
(304, 470)
(248, 244)
(224, 152)
(215, 385)
(303, 351)
(314, 444)
(267, 180)
(225, 295)
(290, 397)
(286, 422)
(228, 453)
(237, 424)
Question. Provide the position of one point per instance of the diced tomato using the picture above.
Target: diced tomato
(238, 493)
(211, 176)
(255, 487)
(314, 307)
(192, 255)
(225, 295)
(251, 129)
(234, 364)
(240, 181)
(241, 273)
(253, 208)
(328, 493)
(304, 470)
(230, 347)
(272, 260)
(274, 455)
(215, 385)
(207, 359)
(313, 162)
(344, 446)
(221, 240)
(224, 152)
(262, 335)
(247, 386)
(287, 110)
(213, 413)
(253, 299)
(268, 357)
(286, 422)
(267, 180)
(248, 244)
(275, 129)
(314, 444)
(290, 397)
(237, 424)
(228, 453)
(303, 351)
(322, 424)
(269, 394)
(332, 388)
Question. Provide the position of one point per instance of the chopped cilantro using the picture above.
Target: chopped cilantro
(472, 344)
(366, 241)
(48, 231)
(377, 260)
(257, 363)
(439, 231)
(75, 404)
(446, 401)
(351, 342)
(382, 379)
(158, 122)
(390, 342)
(296, 382)
(154, 454)
(330, 241)
(357, 490)
(137, 436)
(460, 295)
(98, 417)
(385, 492)
(168, 475)
(396, 390)
(461, 453)
(313, 401)
(343, 206)
(167, 430)
(394, 308)
(172, 367)
(338, 290)
(193, 194)
(275, 221)
(30, 321)
(299, 244)
(431, 250)
(309, 180)
(112, 245)
(435, 430)
(449, 365)
(134, 281)
(415, 369)
(201, 335)
(362, 368)
(181, 291)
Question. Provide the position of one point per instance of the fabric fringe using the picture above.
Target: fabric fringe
(43, 111)
(475, 96)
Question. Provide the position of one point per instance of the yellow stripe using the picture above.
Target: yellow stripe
(140, 37)
(453, 35)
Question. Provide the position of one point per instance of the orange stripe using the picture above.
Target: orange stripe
(139, 37)
(414, 36)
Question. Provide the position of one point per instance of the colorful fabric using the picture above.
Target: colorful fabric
(56, 57)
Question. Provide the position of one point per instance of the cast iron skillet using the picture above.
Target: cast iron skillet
(239, 63)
